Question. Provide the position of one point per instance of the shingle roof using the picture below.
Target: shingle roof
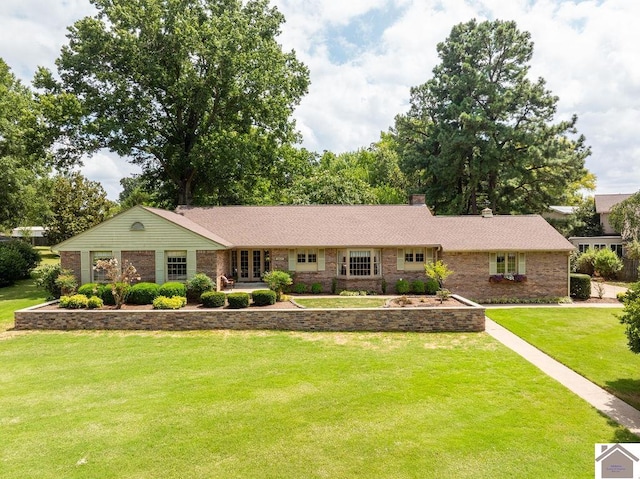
(604, 203)
(371, 225)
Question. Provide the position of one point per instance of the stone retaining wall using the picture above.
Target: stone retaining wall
(463, 318)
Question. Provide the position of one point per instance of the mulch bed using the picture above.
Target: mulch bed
(149, 307)
(421, 302)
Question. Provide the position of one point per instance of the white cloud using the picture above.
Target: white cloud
(585, 50)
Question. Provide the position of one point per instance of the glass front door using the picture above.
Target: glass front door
(251, 264)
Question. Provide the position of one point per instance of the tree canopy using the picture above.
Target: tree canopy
(625, 218)
(481, 133)
(197, 92)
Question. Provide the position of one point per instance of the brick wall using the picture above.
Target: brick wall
(207, 263)
(71, 260)
(547, 276)
(143, 261)
(464, 319)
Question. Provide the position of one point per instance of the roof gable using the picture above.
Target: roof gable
(604, 203)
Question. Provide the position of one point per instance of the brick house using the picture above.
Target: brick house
(356, 247)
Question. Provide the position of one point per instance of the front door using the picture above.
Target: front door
(251, 264)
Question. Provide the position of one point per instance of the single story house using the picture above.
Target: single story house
(355, 247)
(36, 234)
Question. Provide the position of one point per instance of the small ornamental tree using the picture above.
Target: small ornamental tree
(439, 271)
(277, 281)
(120, 277)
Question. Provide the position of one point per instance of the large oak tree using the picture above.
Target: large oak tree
(482, 133)
(197, 92)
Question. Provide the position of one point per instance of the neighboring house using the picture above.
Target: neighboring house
(611, 238)
(35, 234)
(359, 247)
(559, 212)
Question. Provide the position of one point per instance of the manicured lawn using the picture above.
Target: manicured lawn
(21, 295)
(341, 302)
(285, 405)
(591, 341)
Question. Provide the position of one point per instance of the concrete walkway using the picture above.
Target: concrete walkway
(603, 401)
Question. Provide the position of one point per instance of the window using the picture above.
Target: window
(507, 263)
(582, 247)
(99, 275)
(307, 256)
(359, 263)
(617, 249)
(414, 255)
(176, 265)
(599, 246)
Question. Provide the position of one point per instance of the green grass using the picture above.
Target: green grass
(48, 256)
(591, 341)
(285, 405)
(21, 295)
(342, 302)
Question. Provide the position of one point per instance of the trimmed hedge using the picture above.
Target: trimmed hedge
(77, 301)
(175, 302)
(95, 302)
(580, 286)
(238, 300)
(431, 286)
(172, 288)
(300, 288)
(213, 299)
(402, 286)
(90, 289)
(316, 288)
(263, 297)
(418, 287)
(143, 293)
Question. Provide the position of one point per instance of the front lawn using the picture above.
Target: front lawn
(221, 404)
(591, 341)
(21, 295)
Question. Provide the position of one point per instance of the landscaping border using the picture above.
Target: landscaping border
(467, 318)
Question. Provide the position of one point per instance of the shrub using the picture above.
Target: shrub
(238, 300)
(580, 286)
(277, 281)
(200, 283)
(316, 288)
(143, 293)
(46, 279)
(607, 263)
(334, 285)
(300, 288)
(213, 299)
(418, 287)
(431, 286)
(438, 271)
(172, 288)
(89, 289)
(67, 283)
(402, 286)
(621, 296)
(28, 253)
(443, 294)
(77, 301)
(105, 291)
(94, 302)
(263, 297)
(12, 266)
(631, 317)
(120, 277)
(383, 286)
(174, 302)
(584, 262)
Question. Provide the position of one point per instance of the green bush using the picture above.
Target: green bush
(431, 286)
(77, 301)
(316, 288)
(418, 287)
(621, 296)
(607, 263)
(200, 283)
(172, 288)
(94, 302)
(277, 281)
(238, 300)
(580, 286)
(263, 297)
(12, 266)
(67, 283)
(28, 253)
(174, 302)
(584, 262)
(213, 299)
(105, 292)
(143, 293)
(89, 289)
(402, 286)
(300, 288)
(45, 278)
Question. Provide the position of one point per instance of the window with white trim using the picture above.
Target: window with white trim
(359, 263)
(617, 249)
(582, 247)
(507, 263)
(176, 265)
(414, 255)
(99, 275)
(307, 256)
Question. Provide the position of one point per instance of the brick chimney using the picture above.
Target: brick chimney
(417, 200)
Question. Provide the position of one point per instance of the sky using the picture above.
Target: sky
(365, 55)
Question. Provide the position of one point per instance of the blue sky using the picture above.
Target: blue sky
(365, 55)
